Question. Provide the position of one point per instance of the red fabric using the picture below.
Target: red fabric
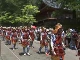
(8, 37)
(44, 40)
(59, 51)
(26, 36)
(59, 40)
(14, 38)
(32, 35)
(25, 43)
(45, 43)
(33, 27)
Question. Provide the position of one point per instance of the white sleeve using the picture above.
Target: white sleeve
(6, 33)
(54, 38)
(41, 36)
(22, 37)
(29, 36)
(51, 42)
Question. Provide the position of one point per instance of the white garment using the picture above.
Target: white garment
(53, 38)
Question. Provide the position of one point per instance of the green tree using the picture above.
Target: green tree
(6, 18)
(70, 4)
(14, 7)
(27, 15)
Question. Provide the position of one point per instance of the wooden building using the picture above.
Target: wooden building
(46, 16)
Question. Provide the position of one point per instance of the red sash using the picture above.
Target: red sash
(58, 40)
(25, 43)
(44, 40)
(7, 37)
(26, 36)
(14, 38)
(32, 35)
(59, 51)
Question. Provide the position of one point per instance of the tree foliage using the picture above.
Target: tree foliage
(6, 18)
(16, 10)
(27, 15)
(29, 10)
(70, 4)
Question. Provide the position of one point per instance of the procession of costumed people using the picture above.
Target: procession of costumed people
(51, 38)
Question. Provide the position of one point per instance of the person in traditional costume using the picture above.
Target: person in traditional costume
(25, 37)
(19, 32)
(0, 31)
(8, 36)
(68, 37)
(14, 39)
(74, 38)
(57, 50)
(3, 32)
(43, 41)
(32, 37)
(78, 46)
(51, 39)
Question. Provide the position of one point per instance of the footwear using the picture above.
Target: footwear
(32, 46)
(13, 48)
(24, 54)
(39, 52)
(47, 54)
(28, 54)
